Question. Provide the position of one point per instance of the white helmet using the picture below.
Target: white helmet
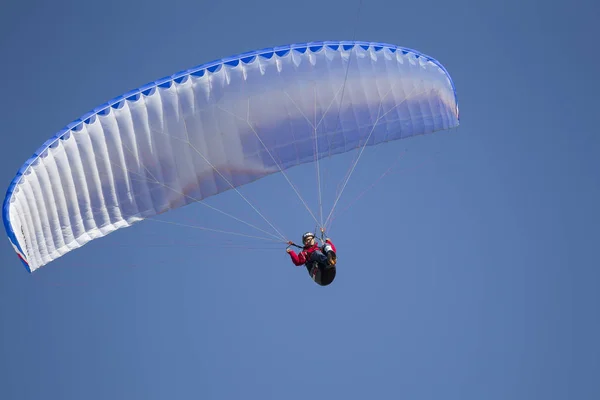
(307, 235)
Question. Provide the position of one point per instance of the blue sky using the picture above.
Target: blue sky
(468, 272)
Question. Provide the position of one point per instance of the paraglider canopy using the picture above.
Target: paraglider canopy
(216, 127)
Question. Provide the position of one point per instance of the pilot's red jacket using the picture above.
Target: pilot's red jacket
(304, 255)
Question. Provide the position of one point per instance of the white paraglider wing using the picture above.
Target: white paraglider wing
(216, 127)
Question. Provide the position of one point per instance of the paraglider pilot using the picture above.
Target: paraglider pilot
(319, 261)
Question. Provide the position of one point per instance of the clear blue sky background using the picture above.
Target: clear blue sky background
(469, 272)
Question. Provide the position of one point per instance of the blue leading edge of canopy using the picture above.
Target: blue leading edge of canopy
(180, 77)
